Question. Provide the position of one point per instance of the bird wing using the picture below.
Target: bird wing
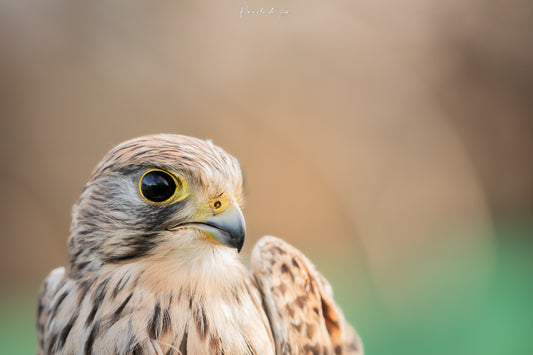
(46, 296)
(299, 303)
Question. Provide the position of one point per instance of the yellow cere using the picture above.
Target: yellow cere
(219, 204)
(214, 206)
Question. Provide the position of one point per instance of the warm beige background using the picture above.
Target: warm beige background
(374, 136)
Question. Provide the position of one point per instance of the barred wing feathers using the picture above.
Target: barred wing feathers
(299, 303)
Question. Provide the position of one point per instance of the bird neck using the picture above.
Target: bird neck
(208, 273)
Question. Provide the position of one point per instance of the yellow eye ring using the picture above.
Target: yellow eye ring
(159, 187)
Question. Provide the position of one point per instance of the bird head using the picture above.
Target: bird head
(158, 196)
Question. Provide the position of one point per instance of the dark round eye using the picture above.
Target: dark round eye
(158, 186)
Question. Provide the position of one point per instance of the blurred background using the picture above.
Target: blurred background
(390, 141)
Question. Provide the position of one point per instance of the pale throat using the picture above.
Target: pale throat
(209, 270)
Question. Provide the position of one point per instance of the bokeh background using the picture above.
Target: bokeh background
(390, 141)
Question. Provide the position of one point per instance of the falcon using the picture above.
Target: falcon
(153, 266)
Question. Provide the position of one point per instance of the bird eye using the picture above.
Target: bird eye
(158, 186)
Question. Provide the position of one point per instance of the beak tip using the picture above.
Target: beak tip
(227, 228)
(240, 243)
(237, 240)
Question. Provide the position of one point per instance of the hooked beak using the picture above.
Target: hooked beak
(227, 227)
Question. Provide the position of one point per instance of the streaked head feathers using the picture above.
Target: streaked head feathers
(113, 222)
